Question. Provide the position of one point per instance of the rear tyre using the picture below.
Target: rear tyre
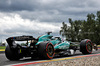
(46, 50)
(11, 54)
(86, 46)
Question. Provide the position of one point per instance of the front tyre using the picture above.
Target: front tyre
(46, 50)
(11, 54)
(86, 46)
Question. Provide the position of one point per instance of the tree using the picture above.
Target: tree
(72, 31)
(64, 29)
(98, 28)
(82, 29)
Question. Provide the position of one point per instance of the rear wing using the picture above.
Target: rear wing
(11, 40)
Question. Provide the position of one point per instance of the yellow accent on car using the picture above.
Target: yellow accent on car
(20, 51)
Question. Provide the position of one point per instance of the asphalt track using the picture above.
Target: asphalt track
(27, 61)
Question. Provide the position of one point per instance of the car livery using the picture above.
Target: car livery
(45, 46)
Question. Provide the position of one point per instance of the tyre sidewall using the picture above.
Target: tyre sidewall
(11, 54)
(42, 50)
(84, 48)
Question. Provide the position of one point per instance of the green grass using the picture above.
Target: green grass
(2, 47)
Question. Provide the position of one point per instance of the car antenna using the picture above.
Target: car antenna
(49, 33)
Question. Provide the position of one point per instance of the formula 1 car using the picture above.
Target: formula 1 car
(45, 46)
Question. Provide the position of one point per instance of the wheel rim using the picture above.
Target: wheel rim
(89, 47)
(50, 50)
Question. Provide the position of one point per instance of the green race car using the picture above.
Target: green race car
(45, 46)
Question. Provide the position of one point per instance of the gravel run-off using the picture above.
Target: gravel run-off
(86, 61)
